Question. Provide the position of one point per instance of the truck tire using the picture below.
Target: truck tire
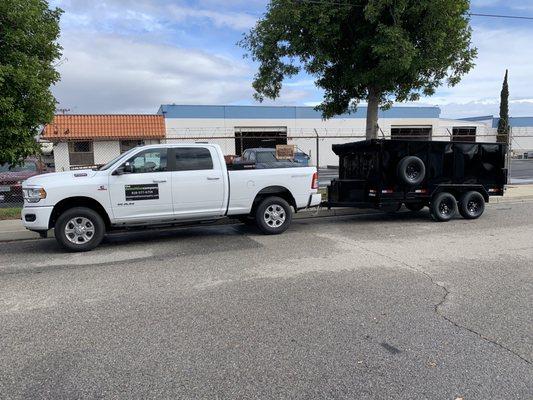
(471, 205)
(411, 170)
(443, 207)
(79, 229)
(273, 216)
(415, 206)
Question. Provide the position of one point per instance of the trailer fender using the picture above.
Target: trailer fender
(459, 190)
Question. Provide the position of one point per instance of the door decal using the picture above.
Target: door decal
(142, 192)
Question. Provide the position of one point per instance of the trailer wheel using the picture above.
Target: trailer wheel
(411, 170)
(415, 206)
(273, 215)
(471, 205)
(443, 207)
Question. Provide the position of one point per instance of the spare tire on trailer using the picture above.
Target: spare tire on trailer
(411, 170)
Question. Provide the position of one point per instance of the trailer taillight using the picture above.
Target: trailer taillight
(314, 182)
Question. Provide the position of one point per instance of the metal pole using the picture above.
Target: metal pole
(317, 151)
(509, 141)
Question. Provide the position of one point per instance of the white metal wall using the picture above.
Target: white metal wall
(303, 132)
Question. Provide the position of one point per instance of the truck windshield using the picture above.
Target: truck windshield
(114, 160)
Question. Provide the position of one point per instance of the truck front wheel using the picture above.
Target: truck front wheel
(273, 215)
(443, 207)
(471, 205)
(79, 229)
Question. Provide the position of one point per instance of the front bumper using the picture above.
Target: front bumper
(315, 200)
(36, 218)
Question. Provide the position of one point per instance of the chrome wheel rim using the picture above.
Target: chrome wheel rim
(79, 230)
(274, 215)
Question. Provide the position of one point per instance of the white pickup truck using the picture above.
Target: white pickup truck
(160, 185)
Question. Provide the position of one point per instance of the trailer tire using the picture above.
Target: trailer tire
(411, 170)
(471, 205)
(79, 229)
(443, 207)
(415, 207)
(273, 215)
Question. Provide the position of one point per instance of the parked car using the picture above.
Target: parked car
(12, 176)
(163, 185)
(266, 158)
(447, 177)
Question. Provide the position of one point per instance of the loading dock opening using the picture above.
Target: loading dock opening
(258, 137)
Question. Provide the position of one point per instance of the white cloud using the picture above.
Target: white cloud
(234, 20)
(479, 91)
(111, 74)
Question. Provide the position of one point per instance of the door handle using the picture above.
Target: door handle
(213, 178)
(160, 180)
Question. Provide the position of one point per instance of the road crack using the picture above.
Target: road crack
(436, 307)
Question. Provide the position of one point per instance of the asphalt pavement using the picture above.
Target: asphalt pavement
(371, 306)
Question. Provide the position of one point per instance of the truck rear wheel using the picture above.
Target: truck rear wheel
(443, 207)
(79, 229)
(273, 215)
(471, 205)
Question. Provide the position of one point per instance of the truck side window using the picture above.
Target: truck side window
(193, 159)
(151, 160)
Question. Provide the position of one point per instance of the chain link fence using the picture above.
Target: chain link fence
(314, 146)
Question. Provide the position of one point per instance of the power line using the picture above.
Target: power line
(499, 16)
(339, 3)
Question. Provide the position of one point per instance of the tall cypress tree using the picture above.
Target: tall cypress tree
(503, 123)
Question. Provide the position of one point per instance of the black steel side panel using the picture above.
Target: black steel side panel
(373, 164)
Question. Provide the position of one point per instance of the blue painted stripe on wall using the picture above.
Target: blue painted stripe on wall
(516, 122)
(276, 112)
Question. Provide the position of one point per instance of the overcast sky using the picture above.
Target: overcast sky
(130, 56)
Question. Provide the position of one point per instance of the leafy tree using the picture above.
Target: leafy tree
(503, 123)
(28, 49)
(375, 50)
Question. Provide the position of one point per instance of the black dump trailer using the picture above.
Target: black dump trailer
(447, 177)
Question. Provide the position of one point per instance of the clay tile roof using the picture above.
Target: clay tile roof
(105, 127)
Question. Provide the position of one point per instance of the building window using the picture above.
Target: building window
(126, 145)
(411, 132)
(81, 154)
(464, 134)
(192, 159)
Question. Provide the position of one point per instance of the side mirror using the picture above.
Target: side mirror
(127, 168)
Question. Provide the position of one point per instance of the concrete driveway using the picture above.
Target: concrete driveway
(359, 307)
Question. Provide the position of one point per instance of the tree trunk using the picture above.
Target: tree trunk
(372, 114)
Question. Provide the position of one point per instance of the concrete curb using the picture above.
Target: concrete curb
(14, 231)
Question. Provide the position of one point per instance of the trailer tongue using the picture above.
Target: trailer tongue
(448, 177)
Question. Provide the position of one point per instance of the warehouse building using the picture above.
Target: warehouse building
(237, 128)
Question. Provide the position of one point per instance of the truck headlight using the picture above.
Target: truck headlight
(34, 195)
